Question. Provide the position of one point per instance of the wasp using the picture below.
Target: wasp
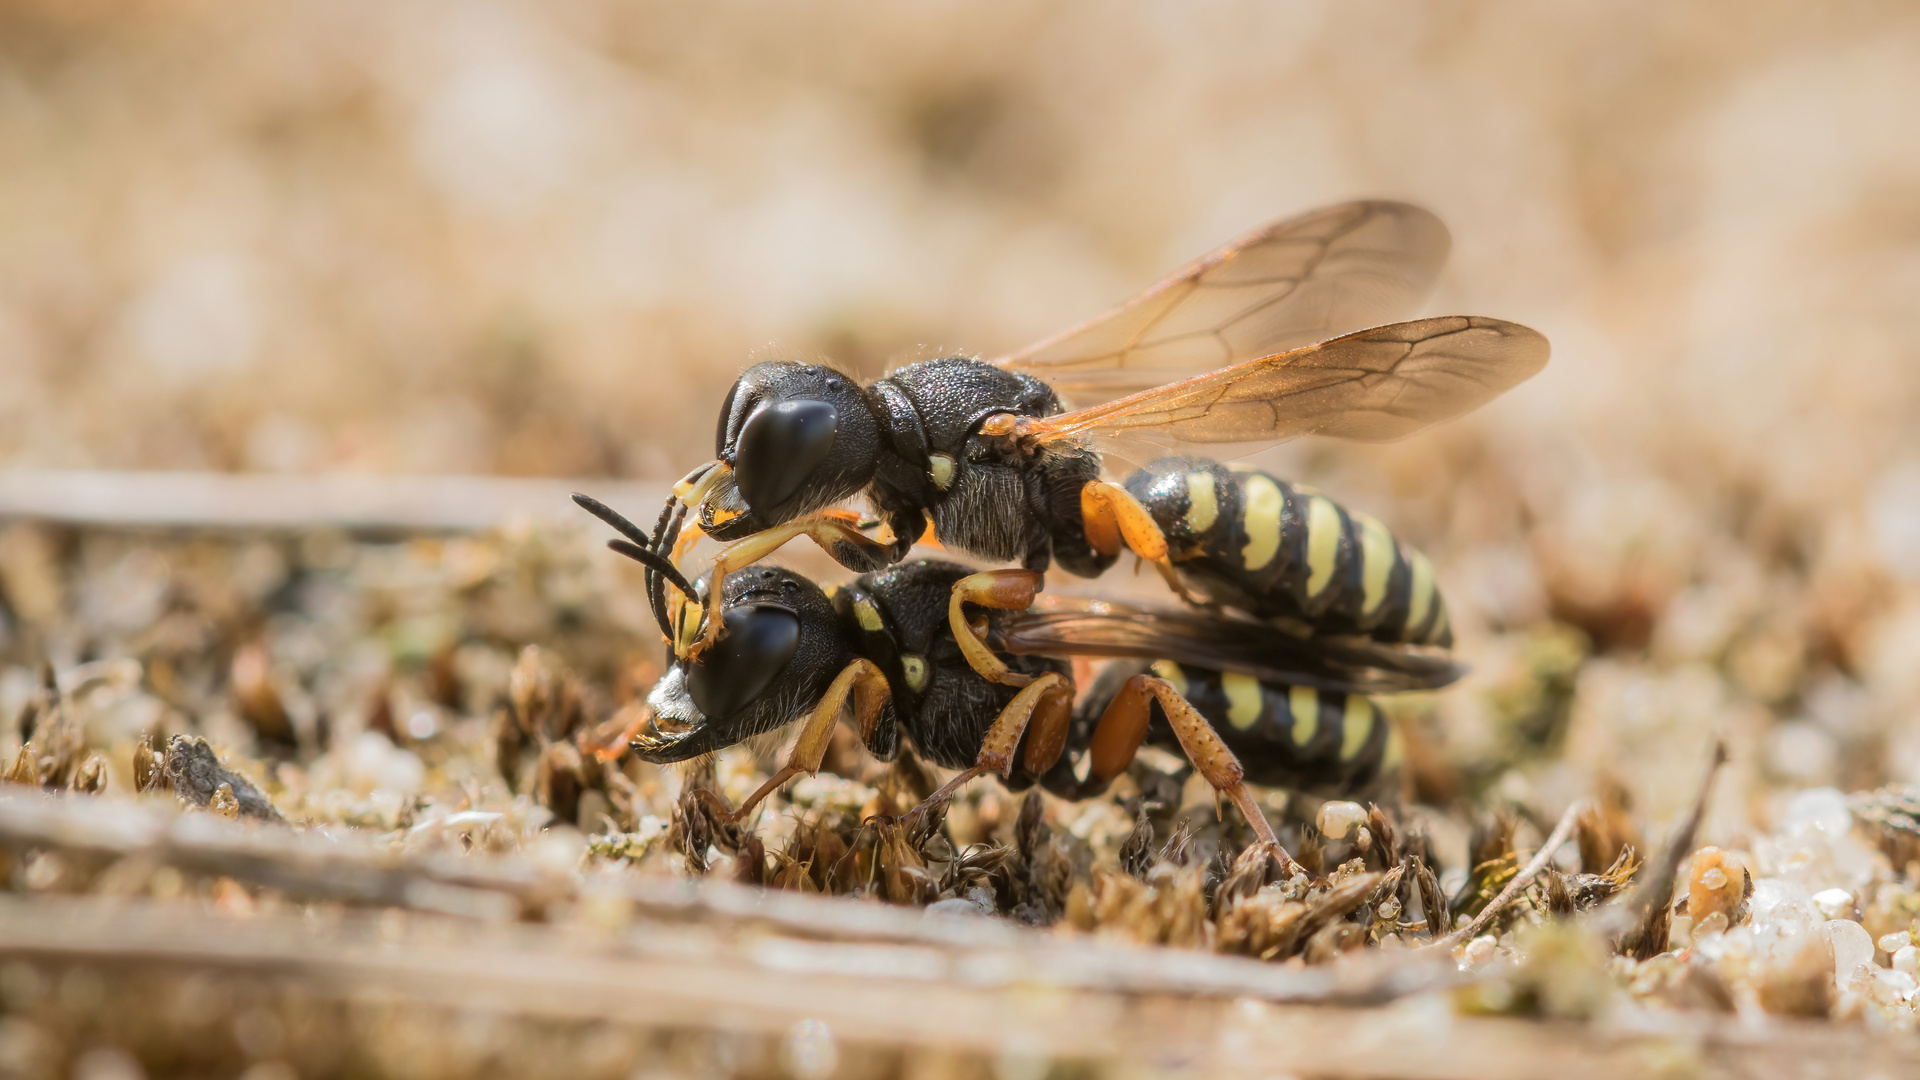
(1245, 701)
(1235, 348)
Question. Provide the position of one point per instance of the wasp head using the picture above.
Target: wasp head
(795, 438)
(782, 648)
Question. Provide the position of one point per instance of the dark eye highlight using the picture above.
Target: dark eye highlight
(759, 641)
(780, 447)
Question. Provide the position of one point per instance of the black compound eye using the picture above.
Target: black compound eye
(759, 641)
(779, 448)
(726, 413)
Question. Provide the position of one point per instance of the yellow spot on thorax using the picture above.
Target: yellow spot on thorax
(1244, 699)
(916, 671)
(1420, 590)
(1355, 725)
(1202, 506)
(1261, 505)
(1304, 703)
(1323, 543)
(1170, 671)
(868, 615)
(940, 467)
(1376, 561)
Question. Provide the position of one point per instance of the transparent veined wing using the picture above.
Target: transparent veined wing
(1289, 283)
(1373, 385)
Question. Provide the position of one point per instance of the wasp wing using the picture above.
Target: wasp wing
(1373, 385)
(1291, 282)
(1074, 627)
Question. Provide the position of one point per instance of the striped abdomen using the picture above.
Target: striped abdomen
(1294, 737)
(1279, 552)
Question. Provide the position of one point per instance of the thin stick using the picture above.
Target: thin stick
(1561, 833)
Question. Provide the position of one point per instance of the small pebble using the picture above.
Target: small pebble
(1894, 942)
(1480, 950)
(1852, 947)
(1834, 903)
(1337, 818)
(1389, 908)
(1907, 959)
(1716, 884)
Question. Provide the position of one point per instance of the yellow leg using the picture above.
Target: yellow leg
(1003, 590)
(847, 545)
(1046, 702)
(1124, 724)
(870, 691)
(1111, 515)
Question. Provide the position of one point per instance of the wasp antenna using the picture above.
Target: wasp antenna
(655, 562)
(612, 517)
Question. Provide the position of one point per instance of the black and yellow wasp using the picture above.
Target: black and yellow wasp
(1236, 348)
(992, 692)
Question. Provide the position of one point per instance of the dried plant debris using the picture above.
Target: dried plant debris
(456, 703)
(195, 774)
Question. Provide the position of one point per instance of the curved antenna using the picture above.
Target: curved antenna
(643, 549)
(655, 562)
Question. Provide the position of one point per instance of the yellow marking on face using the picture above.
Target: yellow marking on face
(916, 671)
(688, 628)
(1202, 507)
(1376, 561)
(1396, 750)
(1261, 505)
(1420, 589)
(1170, 671)
(1355, 725)
(940, 467)
(722, 516)
(1304, 703)
(1244, 699)
(1323, 543)
(868, 615)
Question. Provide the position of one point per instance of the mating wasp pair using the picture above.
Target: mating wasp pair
(1301, 607)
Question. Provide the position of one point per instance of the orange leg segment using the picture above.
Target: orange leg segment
(1112, 516)
(1123, 726)
(1046, 704)
(1002, 590)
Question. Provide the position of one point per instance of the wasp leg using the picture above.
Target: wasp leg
(1123, 726)
(1004, 590)
(1111, 515)
(870, 691)
(847, 545)
(1047, 704)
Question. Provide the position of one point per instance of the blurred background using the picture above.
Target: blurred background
(540, 239)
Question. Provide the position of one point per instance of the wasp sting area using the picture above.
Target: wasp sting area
(318, 696)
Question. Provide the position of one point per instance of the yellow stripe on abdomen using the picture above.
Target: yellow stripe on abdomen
(1355, 725)
(1420, 591)
(1323, 543)
(1261, 505)
(1304, 703)
(1377, 556)
(1245, 702)
(1202, 506)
